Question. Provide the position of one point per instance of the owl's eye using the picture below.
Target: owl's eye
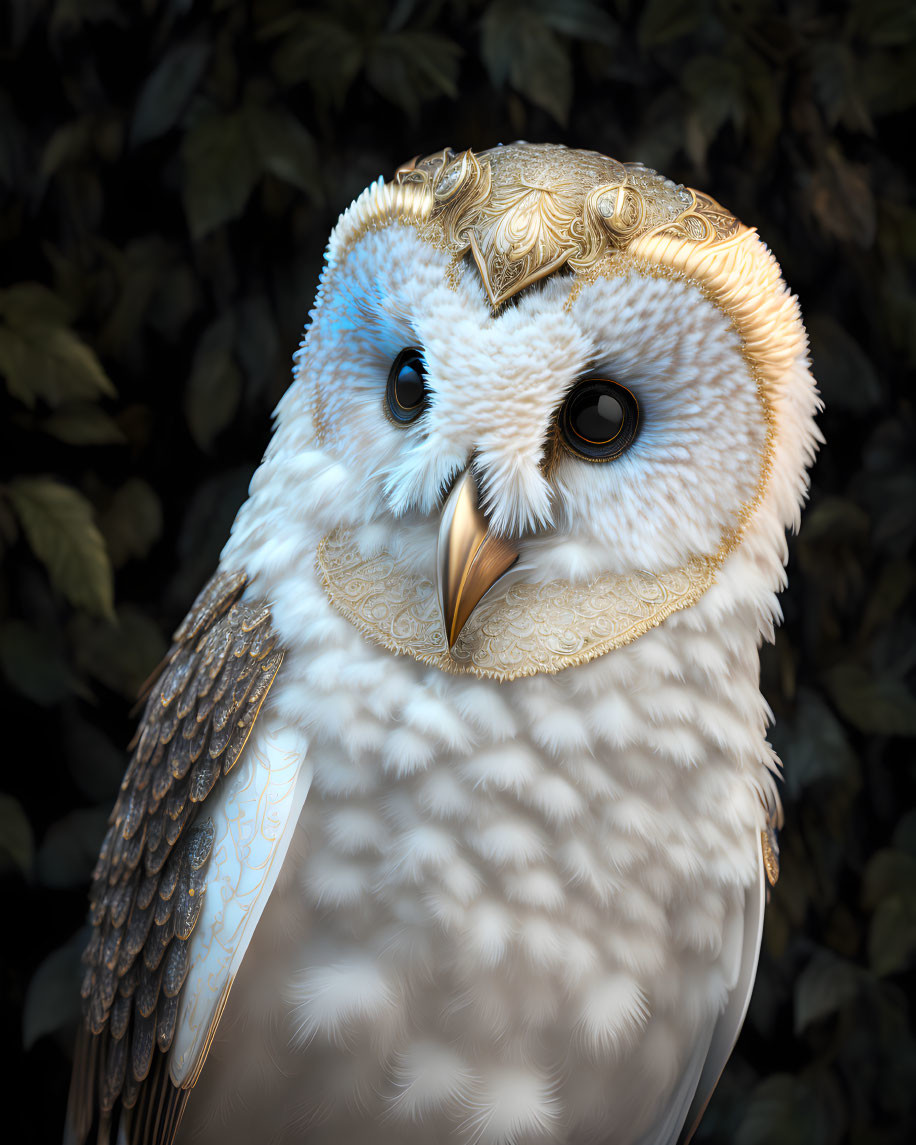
(599, 419)
(406, 391)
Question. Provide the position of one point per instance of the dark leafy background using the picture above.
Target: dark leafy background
(169, 172)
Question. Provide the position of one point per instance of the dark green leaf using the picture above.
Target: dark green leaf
(222, 165)
(665, 20)
(783, 1111)
(885, 23)
(15, 171)
(122, 654)
(175, 301)
(845, 375)
(257, 339)
(890, 873)
(826, 985)
(892, 935)
(78, 423)
(22, 14)
(132, 523)
(69, 143)
(833, 520)
(215, 386)
(206, 524)
(69, 16)
(879, 703)
(814, 748)
(30, 304)
(841, 200)
(16, 844)
(95, 763)
(52, 1001)
(891, 498)
(518, 44)
(70, 848)
(888, 82)
(60, 529)
(34, 664)
(581, 20)
(40, 356)
(284, 147)
(835, 75)
(142, 269)
(715, 86)
(167, 90)
(409, 67)
(320, 49)
(905, 833)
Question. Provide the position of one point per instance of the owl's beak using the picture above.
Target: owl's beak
(470, 558)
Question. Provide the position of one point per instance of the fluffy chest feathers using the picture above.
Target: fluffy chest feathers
(511, 909)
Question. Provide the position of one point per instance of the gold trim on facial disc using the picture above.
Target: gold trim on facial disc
(519, 213)
(518, 629)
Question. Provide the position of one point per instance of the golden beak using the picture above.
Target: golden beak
(470, 559)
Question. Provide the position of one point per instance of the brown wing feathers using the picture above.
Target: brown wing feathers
(148, 884)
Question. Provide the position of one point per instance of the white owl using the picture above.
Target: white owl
(457, 774)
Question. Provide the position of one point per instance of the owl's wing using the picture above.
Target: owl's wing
(678, 1121)
(148, 887)
(728, 1027)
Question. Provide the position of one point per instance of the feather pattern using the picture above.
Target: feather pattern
(149, 882)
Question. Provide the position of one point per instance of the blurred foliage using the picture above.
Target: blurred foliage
(169, 172)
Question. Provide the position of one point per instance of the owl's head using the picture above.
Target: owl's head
(538, 382)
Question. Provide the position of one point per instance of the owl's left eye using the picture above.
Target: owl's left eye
(599, 419)
(405, 394)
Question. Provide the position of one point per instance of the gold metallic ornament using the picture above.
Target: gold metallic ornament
(770, 856)
(518, 629)
(524, 210)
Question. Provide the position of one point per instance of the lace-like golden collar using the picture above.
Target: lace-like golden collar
(518, 629)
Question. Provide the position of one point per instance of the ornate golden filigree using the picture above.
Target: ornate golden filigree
(523, 211)
(770, 856)
(518, 629)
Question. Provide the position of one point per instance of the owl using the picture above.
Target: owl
(451, 816)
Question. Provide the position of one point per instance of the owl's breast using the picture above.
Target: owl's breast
(532, 887)
(511, 909)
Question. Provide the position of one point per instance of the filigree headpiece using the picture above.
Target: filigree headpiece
(524, 211)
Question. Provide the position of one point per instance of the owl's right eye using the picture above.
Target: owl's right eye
(405, 394)
(599, 419)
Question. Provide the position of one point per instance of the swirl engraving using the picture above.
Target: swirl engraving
(523, 211)
(517, 630)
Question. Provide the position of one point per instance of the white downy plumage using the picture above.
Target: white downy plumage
(512, 912)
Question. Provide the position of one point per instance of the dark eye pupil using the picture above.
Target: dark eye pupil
(406, 390)
(596, 418)
(599, 419)
(409, 388)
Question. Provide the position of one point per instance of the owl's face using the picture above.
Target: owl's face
(612, 366)
(498, 391)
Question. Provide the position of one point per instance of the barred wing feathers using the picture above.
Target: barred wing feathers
(149, 882)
